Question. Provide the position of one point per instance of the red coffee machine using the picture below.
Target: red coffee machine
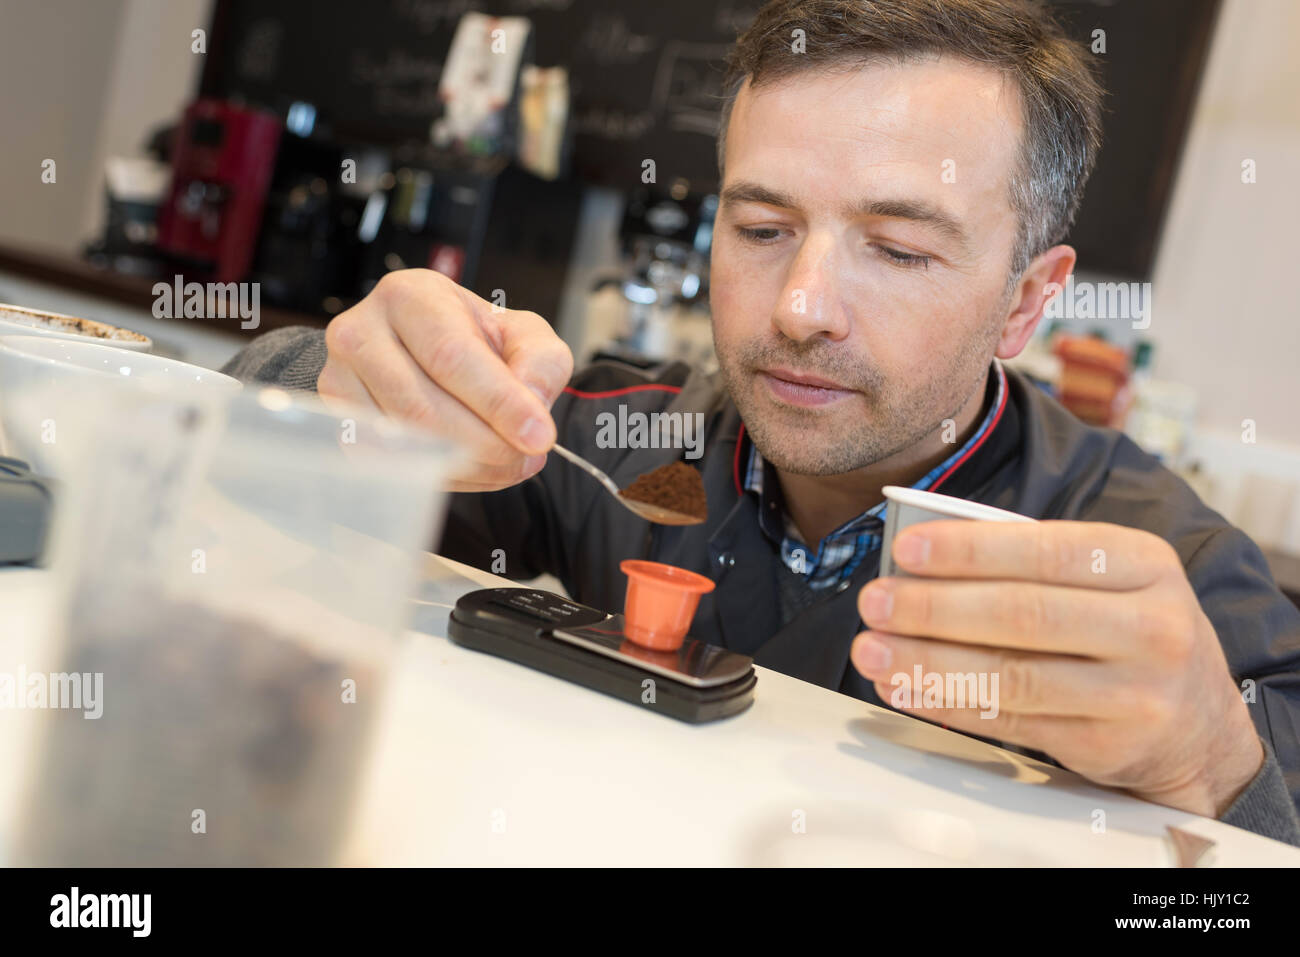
(222, 163)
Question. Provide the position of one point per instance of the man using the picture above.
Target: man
(895, 187)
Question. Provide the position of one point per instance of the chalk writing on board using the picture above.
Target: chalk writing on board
(532, 6)
(401, 84)
(688, 86)
(395, 66)
(612, 124)
(428, 15)
(259, 53)
(422, 102)
(608, 39)
(731, 18)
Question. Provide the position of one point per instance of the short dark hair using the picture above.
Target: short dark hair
(1060, 93)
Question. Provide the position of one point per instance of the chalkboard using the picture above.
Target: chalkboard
(1155, 54)
(645, 76)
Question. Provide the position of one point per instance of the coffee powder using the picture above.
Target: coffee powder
(81, 327)
(676, 486)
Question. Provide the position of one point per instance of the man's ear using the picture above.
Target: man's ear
(1043, 279)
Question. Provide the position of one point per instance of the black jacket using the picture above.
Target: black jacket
(1036, 459)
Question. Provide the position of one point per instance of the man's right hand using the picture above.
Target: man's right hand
(423, 349)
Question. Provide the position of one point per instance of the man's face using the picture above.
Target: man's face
(863, 241)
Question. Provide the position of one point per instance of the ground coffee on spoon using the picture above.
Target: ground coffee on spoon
(676, 486)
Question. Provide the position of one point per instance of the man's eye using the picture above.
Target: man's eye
(904, 259)
(759, 236)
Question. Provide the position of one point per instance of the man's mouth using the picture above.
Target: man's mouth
(802, 389)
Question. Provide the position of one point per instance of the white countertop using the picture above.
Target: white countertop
(482, 761)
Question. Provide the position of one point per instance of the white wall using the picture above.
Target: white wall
(155, 74)
(55, 58)
(81, 80)
(1225, 317)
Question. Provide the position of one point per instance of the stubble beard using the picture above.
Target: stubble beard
(882, 420)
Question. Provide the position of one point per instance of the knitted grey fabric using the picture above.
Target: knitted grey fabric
(291, 358)
(1258, 807)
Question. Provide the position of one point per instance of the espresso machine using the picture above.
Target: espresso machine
(310, 249)
(223, 158)
(666, 237)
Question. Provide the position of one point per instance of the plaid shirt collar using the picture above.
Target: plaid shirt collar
(839, 554)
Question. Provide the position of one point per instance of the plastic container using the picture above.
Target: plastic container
(236, 571)
(661, 601)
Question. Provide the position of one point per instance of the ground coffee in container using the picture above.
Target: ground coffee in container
(221, 743)
(236, 572)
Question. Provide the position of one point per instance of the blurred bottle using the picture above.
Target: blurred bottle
(1094, 382)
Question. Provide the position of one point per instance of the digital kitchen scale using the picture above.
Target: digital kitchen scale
(26, 507)
(695, 683)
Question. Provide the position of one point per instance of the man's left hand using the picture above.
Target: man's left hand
(1104, 657)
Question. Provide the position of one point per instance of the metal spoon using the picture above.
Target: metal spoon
(651, 513)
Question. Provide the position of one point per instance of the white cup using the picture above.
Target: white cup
(909, 506)
(72, 379)
(21, 321)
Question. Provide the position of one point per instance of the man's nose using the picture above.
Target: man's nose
(810, 304)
